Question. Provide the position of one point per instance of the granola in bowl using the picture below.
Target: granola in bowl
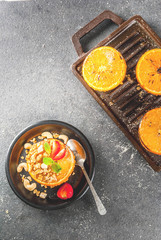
(48, 161)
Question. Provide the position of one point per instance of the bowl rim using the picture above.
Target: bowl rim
(46, 122)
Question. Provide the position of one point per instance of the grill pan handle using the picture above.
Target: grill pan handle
(87, 28)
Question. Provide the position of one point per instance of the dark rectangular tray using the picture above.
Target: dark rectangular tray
(127, 103)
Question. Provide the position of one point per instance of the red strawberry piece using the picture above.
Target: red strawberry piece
(60, 155)
(65, 191)
(55, 149)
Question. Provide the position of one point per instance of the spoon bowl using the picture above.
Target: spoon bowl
(78, 150)
(80, 157)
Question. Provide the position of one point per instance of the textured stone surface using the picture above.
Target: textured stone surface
(36, 53)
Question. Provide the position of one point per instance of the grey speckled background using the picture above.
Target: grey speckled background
(36, 53)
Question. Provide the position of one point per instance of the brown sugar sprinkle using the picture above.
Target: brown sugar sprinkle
(138, 88)
(129, 78)
(141, 94)
(80, 69)
(22, 157)
(142, 44)
(111, 103)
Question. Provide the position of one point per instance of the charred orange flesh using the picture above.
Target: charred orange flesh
(104, 69)
(150, 131)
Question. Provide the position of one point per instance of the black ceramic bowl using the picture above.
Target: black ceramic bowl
(77, 180)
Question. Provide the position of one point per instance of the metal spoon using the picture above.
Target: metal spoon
(80, 157)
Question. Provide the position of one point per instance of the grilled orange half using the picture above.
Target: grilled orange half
(104, 69)
(148, 71)
(150, 131)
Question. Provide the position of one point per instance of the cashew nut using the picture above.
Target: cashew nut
(43, 195)
(29, 186)
(21, 166)
(64, 138)
(27, 145)
(47, 134)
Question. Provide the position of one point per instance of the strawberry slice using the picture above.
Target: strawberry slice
(60, 155)
(65, 191)
(55, 149)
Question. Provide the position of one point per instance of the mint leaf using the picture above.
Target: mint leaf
(47, 147)
(56, 167)
(47, 160)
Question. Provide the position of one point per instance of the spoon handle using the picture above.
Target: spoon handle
(99, 204)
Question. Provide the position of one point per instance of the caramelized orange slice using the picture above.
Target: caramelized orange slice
(148, 71)
(150, 131)
(44, 174)
(104, 69)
